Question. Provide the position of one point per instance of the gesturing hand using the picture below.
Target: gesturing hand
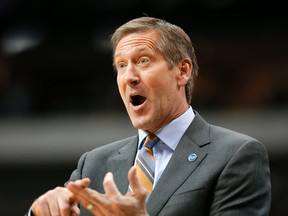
(55, 202)
(112, 202)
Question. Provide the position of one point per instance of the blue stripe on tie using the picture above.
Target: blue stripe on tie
(147, 169)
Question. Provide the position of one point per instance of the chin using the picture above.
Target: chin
(143, 125)
(138, 123)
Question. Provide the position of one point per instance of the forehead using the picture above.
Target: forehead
(137, 39)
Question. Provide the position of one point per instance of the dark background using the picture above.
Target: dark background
(57, 83)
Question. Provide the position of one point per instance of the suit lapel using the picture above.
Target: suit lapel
(120, 163)
(179, 167)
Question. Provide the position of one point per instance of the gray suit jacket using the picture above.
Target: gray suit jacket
(230, 175)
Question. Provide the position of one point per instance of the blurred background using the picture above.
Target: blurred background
(59, 98)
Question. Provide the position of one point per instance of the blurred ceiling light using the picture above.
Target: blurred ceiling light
(17, 41)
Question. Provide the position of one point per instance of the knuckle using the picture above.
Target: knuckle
(55, 191)
(142, 192)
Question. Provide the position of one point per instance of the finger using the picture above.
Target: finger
(134, 182)
(75, 211)
(85, 182)
(58, 201)
(53, 207)
(76, 188)
(62, 205)
(39, 207)
(78, 191)
(86, 197)
(109, 185)
(50, 199)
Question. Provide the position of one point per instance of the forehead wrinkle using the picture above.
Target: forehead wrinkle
(137, 44)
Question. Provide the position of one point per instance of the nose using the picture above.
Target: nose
(131, 76)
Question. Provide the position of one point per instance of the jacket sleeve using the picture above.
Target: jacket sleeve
(77, 173)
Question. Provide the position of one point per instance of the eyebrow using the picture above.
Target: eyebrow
(136, 50)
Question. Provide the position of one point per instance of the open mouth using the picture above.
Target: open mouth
(137, 100)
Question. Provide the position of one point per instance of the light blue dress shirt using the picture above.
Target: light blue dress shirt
(169, 136)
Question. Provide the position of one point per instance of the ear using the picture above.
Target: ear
(184, 71)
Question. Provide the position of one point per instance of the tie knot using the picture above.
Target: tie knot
(151, 140)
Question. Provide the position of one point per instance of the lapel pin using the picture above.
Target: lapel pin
(192, 157)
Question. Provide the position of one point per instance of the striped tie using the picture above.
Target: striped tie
(145, 164)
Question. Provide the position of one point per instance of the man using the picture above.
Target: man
(200, 169)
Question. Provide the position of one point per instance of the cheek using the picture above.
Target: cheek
(163, 85)
(121, 88)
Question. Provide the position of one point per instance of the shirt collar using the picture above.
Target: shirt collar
(172, 132)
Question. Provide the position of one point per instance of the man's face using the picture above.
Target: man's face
(152, 93)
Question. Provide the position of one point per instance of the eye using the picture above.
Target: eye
(121, 65)
(143, 60)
